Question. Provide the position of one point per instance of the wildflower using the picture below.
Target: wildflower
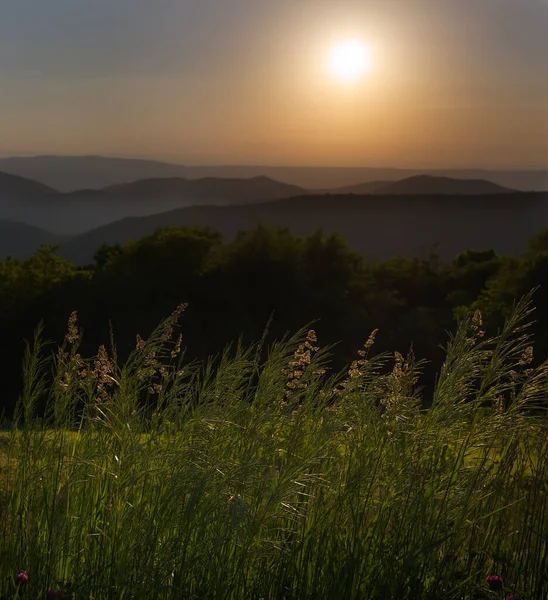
(494, 582)
(21, 578)
(52, 594)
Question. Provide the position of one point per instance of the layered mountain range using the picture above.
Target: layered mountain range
(70, 173)
(379, 218)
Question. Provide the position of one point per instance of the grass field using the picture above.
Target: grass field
(262, 475)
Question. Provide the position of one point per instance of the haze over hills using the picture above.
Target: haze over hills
(25, 206)
(70, 173)
(379, 226)
(370, 187)
(76, 212)
(107, 213)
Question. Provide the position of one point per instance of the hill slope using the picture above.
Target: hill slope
(13, 186)
(427, 184)
(19, 240)
(224, 190)
(69, 173)
(377, 226)
(80, 211)
(26, 201)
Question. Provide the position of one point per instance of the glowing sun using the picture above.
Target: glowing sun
(349, 60)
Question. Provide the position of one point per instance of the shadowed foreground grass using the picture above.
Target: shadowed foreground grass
(269, 478)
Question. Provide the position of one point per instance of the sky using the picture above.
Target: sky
(453, 83)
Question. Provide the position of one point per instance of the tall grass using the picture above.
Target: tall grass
(253, 477)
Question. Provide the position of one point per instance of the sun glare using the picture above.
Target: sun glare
(349, 60)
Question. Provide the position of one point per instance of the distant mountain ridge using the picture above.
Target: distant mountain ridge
(75, 212)
(128, 211)
(70, 173)
(14, 186)
(211, 188)
(19, 240)
(427, 185)
(377, 226)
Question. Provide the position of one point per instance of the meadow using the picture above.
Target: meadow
(263, 474)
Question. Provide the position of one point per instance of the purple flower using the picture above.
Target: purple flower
(52, 594)
(494, 582)
(21, 578)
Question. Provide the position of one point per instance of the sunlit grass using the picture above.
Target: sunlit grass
(258, 477)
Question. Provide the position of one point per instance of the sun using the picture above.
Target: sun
(349, 60)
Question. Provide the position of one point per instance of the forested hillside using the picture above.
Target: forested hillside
(377, 226)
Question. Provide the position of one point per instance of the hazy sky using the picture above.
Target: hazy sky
(454, 82)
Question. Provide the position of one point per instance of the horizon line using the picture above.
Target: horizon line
(7, 156)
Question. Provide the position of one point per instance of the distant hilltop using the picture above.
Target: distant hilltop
(428, 185)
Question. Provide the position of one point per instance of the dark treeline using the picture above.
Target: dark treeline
(233, 289)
